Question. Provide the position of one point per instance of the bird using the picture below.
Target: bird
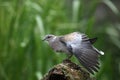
(79, 45)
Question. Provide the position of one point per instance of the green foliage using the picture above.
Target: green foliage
(23, 24)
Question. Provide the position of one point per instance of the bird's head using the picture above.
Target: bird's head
(49, 37)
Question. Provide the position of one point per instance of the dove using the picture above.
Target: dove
(79, 45)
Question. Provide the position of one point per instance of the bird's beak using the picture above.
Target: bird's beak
(43, 39)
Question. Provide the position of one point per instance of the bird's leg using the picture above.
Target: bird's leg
(69, 56)
(69, 48)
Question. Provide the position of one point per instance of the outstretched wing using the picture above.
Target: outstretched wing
(83, 50)
(88, 58)
(86, 54)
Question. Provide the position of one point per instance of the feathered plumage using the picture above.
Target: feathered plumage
(80, 45)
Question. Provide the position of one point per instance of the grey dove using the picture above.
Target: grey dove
(79, 45)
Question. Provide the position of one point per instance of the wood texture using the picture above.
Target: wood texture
(67, 70)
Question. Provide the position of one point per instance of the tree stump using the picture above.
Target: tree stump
(67, 70)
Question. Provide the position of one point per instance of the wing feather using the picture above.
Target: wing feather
(87, 55)
(90, 63)
(84, 64)
(83, 50)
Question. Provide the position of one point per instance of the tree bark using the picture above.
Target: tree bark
(67, 70)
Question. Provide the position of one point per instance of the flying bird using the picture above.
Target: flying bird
(79, 45)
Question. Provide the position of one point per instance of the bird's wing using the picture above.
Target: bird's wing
(72, 38)
(83, 50)
(88, 58)
(93, 40)
(76, 37)
(86, 54)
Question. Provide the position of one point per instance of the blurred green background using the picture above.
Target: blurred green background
(23, 23)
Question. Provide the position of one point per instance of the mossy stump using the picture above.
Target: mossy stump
(67, 70)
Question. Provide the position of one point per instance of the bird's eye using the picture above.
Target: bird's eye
(48, 37)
